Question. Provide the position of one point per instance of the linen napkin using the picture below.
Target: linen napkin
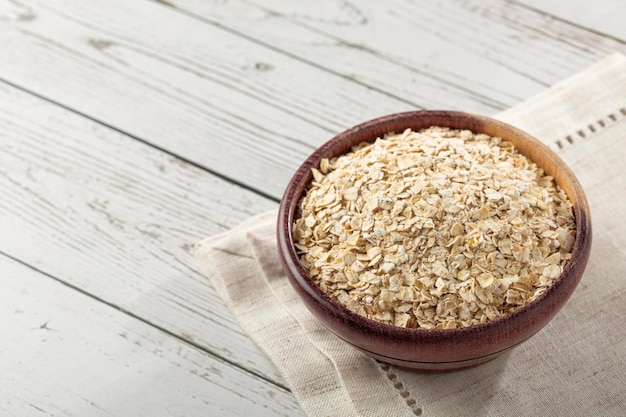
(575, 366)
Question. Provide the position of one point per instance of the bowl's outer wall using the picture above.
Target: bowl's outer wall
(435, 349)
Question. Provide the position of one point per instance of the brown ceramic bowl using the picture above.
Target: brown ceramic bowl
(435, 350)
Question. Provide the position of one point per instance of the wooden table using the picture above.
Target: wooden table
(131, 129)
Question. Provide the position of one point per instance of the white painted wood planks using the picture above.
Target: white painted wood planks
(606, 17)
(117, 218)
(477, 56)
(241, 109)
(64, 354)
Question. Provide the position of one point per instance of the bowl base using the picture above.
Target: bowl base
(435, 367)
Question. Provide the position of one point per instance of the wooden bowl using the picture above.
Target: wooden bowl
(435, 350)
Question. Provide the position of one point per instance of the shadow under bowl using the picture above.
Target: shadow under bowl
(435, 350)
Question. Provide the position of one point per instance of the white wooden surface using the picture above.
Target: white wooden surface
(129, 130)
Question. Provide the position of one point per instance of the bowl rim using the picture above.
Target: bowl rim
(290, 201)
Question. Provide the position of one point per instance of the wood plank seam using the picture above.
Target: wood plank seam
(569, 22)
(289, 54)
(145, 142)
(24, 260)
(144, 321)
(340, 41)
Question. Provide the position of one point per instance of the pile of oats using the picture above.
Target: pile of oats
(436, 229)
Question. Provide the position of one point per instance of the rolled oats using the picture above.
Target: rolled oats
(435, 229)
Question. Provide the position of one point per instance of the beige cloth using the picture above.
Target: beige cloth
(575, 366)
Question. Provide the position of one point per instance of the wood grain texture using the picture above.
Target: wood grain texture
(267, 23)
(605, 17)
(62, 354)
(470, 55)
(197, 90)
(117, 219)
